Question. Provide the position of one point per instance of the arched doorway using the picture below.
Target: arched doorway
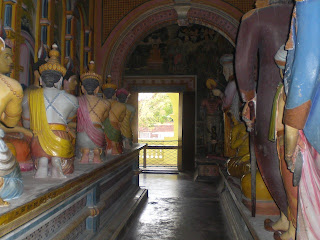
(119, 46)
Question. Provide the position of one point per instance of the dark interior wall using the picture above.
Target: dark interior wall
(188, 131)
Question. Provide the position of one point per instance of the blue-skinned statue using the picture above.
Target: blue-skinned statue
(302, 114)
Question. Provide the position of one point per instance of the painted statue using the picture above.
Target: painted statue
(113, 123)
(92, 112)
(11, 94)
(17, 137)
(302, 114)
(263, 31)
(126, 128)
(239, 164)
(47, 112)
(230, 102)
(276, 133)
(210, 110)
(230, 92)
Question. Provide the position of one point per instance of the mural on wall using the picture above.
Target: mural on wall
(174, 50)
(193, 50)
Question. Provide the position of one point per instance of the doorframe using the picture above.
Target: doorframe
(185, 85)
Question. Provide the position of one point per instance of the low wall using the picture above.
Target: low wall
(95, 202)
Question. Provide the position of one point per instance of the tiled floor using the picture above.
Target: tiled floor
(177, 209)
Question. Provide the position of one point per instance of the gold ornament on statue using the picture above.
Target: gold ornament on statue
(91, 74)
(53, 63)
(109, 84)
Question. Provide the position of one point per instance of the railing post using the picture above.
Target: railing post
(145, 156)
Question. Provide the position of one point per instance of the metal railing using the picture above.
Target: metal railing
(159, 154)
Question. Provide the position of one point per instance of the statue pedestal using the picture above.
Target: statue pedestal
(207, 168)
(239, 222)
(95, 202)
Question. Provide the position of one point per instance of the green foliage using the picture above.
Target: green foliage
(156, 110)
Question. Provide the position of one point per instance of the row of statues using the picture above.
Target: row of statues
(286, 103)
(57, 124)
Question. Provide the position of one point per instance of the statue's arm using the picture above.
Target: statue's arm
(246, 56)
(74, 108)
(238, 136)
(304, 76)
(203, 110)
(107, 110)
(122, 114)
(12, 112)
(304, 82)
(25, 112)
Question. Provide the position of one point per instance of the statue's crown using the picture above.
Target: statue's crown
(91, 73)
(53, 63)
(109, 84)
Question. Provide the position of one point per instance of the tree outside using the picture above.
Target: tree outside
(155, 109)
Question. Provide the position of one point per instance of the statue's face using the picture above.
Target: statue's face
(6, 62)
(262, 3)
(227, 71)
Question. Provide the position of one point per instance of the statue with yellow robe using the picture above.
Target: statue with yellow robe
(11, 94)
(47, 112)
(126, 128)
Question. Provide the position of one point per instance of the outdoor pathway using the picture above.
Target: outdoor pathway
(177, 209)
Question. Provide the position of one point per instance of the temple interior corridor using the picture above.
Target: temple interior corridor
(177, 209)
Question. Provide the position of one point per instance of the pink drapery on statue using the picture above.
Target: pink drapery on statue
(309, 193)
(85, 124)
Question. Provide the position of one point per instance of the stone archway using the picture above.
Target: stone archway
(221, 17)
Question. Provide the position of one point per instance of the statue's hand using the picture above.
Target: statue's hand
(291, 146)
(246, 115)
(289, 161)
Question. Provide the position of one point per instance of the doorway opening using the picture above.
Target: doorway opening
(158, 127)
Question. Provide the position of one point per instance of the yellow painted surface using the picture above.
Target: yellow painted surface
(262, 193)
(174, 97)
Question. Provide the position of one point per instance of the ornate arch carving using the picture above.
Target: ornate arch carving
(145, 23)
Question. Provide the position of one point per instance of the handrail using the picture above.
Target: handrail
(155, 147)
(162, 147)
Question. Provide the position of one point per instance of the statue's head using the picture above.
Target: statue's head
(227, 64)
(109, 92)
(109, 88)
(280, 58)
(122, 95)
(6, 62)
(90, 86)
(51, 78)
(52, 71)
(70, 84)
(91, 81)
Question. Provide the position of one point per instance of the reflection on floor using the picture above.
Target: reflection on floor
(177, 209)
